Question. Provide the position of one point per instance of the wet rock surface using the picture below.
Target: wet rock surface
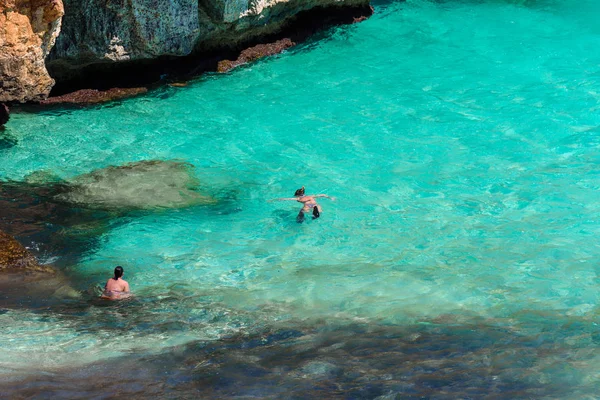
(93, 96)
(254, 53)
(14, 257)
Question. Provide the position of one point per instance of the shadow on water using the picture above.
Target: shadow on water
(432, 359)
(47, 227)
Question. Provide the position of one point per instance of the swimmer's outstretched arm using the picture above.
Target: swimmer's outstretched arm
(284, 198)
(323, 195)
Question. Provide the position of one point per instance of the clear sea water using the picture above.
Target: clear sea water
(460, 257)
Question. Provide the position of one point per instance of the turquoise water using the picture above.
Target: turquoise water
(461, 141)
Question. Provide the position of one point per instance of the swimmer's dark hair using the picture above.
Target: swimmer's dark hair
(299, 192)
(118, 272)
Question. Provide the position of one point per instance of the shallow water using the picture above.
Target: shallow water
(460, 140)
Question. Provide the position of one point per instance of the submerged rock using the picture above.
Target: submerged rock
(14, 257)
(140, 185)
(28, 212)
(66, 218)
(28, 30)
(319, 370)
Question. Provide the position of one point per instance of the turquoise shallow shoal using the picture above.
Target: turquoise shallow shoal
(461, 140)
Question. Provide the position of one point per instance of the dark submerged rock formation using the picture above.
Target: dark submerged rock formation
(29, 212)
(66, 218)
(141, 185)
(423, 360)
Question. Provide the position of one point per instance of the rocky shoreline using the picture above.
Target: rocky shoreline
(107, 52)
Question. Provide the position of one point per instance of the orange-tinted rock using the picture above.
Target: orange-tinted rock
(364, 17)
(255, 52)
(28, 29)
(14, 257)
(93, 96)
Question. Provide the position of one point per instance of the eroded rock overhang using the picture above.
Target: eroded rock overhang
(101, 44)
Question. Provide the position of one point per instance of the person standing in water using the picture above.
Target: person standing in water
(309, 204)
(116, 287)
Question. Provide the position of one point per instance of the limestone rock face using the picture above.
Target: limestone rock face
(28, 29)
(123, 30)
(99, 32)
(14, 257)
(120, 30)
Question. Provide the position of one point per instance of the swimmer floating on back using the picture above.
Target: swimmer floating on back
(309, 203)
(116, 287)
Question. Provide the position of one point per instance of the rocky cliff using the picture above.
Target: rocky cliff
(28, 29)
(122, 35)
(104, 39)
(121, 30)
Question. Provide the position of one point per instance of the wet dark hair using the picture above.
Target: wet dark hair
(118, 272)
(299, 192)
